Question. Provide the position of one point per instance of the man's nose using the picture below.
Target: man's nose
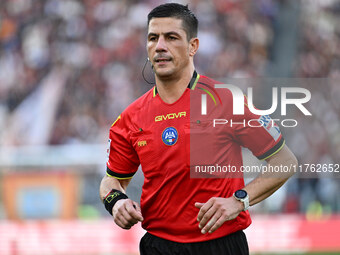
(161, 44)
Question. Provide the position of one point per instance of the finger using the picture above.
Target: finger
(118, 222)
(127, 216)
(124, 221)
(130, 213)
(136, 206)
(198, 204)
(204, 209)
(208, 215)
(121, 224)
(211, 223)
(137, 212)
(217, 224)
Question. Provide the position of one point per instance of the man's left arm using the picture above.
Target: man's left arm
(217, 210)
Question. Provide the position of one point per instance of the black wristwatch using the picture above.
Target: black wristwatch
(242, 195)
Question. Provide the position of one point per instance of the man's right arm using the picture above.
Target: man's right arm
(125, 212)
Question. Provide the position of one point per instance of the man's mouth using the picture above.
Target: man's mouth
(161, 60)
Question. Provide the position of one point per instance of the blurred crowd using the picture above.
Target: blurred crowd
(318, 137)
(102, 44)
(100, 48)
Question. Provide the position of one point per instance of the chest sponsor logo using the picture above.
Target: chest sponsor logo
(170, 116)
(170, 136)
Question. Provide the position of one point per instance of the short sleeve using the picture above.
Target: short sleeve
(122, 161)
(259, 133)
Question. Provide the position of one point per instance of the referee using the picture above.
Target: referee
(184, 215)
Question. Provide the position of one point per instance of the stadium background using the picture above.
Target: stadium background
(67, 70)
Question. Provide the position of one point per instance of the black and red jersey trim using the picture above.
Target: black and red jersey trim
(273, 150)
(118, 175)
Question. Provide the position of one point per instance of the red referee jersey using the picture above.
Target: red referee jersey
(160, 136)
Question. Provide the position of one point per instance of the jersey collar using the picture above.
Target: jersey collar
(192, 84)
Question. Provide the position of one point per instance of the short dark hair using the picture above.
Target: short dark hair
(168, 10)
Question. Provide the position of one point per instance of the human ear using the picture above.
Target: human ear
(193, 46)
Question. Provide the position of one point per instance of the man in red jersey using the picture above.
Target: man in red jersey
(184, 215)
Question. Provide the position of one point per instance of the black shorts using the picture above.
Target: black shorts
(233, 244)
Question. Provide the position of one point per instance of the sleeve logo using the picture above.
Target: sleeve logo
(108, 149)
(270, 126)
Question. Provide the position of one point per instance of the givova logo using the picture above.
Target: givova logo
(170, 136)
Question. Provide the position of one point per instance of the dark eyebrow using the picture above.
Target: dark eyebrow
(172, 33)
(152, 34)
(166, 34)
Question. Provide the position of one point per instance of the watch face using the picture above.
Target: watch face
(241, 193)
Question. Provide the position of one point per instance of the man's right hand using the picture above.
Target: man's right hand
(126, 213)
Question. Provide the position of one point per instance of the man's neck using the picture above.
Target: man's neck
(170, 90)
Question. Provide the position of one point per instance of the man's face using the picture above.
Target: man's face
(167, 46)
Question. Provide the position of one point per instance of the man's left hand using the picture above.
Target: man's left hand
(216, 211)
